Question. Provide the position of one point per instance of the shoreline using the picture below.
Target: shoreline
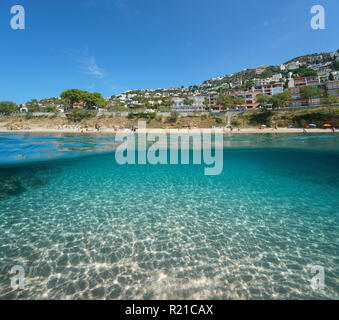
(167, 131)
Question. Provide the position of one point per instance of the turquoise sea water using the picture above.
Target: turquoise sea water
(84, 227)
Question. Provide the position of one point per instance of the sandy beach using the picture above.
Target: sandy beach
(168, 131)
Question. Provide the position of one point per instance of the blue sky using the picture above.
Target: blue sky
(111, 46)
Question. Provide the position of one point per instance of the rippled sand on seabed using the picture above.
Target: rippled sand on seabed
(88, 228)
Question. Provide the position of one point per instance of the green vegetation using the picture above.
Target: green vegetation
(263, 99)
(72, 96)
(310, 92)
(248, 84)
(77, 115)
(188, 101)
(330, 101)
(304, 72)
(225, 100)
(50, 109)
(299, 118)
(335, 66)
(206, 102)
(7, 107)
(91, 99)
(239, 100)
(218, 120)
(174, 116)
(142, 115)
(277, 101)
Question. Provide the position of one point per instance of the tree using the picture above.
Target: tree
(148, 105)
(93, 99)
(239, 101)
(309, 92)
(331, 100)
(174, 116)
(249, 84)
(331, 77)
(50, 109)
(72, 96)
(263, 100)
(279, 100)
(188, 101)
(76, 95)
(33, 105)
(225, 101)
(7, 107)
(305, 72)
(166, 102)
(206, 103)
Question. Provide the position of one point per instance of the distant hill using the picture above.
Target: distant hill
(240, 78)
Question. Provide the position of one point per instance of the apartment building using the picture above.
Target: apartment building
(271, 88)
(291, 66)
(332, 88)
(306, 81)
(249, 96)
(197, 105)
(213, 96)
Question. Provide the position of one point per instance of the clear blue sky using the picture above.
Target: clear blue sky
(113, 45)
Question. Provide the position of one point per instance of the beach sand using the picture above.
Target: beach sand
(158, 130)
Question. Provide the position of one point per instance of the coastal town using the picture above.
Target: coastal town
(304, 83)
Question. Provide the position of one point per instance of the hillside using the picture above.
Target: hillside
(323, 62)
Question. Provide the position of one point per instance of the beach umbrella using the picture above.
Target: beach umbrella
(312, 125)
(327, 125)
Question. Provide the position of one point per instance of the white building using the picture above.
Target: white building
(293, 65)
(197, 105)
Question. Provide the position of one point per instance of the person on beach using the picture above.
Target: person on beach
(231, 128)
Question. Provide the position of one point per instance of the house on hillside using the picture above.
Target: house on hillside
(79, 105)
(197, 103)
(306, 81)
(316, 59)
(293, 65)
(332, 88)
(23, 109)
(270, 88)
